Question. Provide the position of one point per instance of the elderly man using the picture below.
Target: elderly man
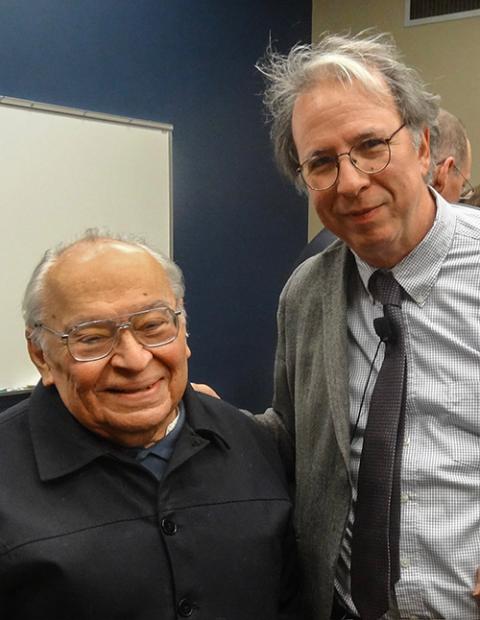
(124, 494)
(453, 159)
(388, 477)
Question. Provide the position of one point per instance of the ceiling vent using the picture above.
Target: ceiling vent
(429, 11)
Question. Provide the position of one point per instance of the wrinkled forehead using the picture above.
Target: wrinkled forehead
(330, 107)
(114, 274)
(337, 91)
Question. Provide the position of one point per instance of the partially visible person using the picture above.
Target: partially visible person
(124, 494)
(316, 245)
(474, 198)
(452, 159)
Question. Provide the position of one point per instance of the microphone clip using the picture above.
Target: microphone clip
(384, 329)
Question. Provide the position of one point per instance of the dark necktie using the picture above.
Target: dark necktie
(375, 556)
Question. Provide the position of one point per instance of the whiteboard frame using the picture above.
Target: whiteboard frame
(51, 108)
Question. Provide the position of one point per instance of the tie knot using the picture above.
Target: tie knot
(385, 288)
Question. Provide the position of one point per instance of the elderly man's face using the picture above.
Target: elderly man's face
(130, 396)
(381, 217)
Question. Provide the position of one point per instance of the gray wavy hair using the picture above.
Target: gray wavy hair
(34, 298)
(373, 60)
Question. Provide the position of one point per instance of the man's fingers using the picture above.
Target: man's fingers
(476, 588)
(205, 389)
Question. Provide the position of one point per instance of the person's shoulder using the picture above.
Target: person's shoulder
(13, 416)
(236, 425)
(314, 272)
(468, 220)
(223, 412)
(15, 438)
(319, 262)
(322, 240)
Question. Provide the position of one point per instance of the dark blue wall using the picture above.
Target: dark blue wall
(238, 226)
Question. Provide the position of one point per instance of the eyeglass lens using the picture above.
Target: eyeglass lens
(370, 156)
(96, 339)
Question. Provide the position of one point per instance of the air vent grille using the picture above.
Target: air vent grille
(424, 11)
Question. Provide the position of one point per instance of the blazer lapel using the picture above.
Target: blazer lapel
(337, 274)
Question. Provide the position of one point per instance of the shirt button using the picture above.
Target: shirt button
(406, 441)
(404, 498)
(168, 526)
(404, 562)
(185, 608)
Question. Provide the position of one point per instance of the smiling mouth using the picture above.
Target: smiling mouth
(362, 213)
(133, 390)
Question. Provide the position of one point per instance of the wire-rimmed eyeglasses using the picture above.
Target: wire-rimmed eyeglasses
(371, 156)
(94, 340)
(467, 189)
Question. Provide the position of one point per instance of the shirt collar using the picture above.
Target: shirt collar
(418, 271)
(62, 445)
(166, 445)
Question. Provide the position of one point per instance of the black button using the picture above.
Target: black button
(169, 527)
(185, 608)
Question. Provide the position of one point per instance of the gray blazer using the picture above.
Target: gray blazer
(311, 404)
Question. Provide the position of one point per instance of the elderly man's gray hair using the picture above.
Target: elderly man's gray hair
(33, 305)
(372, 60)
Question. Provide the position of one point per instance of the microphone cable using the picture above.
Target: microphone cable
(383, 331)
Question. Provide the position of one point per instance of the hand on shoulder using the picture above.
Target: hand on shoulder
(204, 389)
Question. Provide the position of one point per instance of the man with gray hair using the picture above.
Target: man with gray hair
(450, 170)
(123, 493)
(377, 369)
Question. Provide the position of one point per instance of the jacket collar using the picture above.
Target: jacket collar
(216, 428)
(62, 445)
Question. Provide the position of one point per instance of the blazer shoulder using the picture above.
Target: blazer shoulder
(319, 276)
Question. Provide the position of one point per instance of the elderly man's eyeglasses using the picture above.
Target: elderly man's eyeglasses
(94, 340)
(370, 156)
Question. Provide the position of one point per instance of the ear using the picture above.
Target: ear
(188, 352)
(424, 151)
(37, 356)
(440, 178)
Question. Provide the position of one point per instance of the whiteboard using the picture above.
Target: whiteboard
(62, 171)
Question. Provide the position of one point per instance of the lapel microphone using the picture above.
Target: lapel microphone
(384, 329)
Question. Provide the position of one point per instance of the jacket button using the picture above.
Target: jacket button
(168, 526)
(185, 608)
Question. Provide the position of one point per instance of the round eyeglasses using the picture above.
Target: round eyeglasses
(370, 156)
(94, 340)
